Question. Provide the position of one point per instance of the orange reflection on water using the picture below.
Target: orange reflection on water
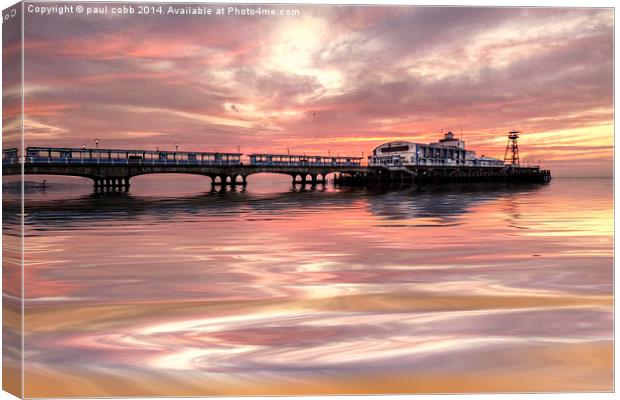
(273, 291)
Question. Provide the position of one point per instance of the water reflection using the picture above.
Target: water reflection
(283, 290)
(443, 203)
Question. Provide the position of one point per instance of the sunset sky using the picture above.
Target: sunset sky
(344, 79)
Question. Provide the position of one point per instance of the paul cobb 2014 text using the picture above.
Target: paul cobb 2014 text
(145, 9)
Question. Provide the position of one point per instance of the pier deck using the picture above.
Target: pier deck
(226, 169)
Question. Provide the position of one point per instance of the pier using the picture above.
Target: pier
(421, 174)
(113, 168)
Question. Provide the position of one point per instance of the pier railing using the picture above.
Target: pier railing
(58, 155)
(127, 161)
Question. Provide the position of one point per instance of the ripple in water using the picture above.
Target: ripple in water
(274, 290)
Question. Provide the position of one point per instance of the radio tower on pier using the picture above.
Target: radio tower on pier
(513, 147)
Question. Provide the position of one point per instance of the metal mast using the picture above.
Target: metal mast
(513, 147)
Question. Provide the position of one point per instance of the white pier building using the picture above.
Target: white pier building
(449, 151)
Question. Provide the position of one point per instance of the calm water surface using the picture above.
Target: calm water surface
(173, 289)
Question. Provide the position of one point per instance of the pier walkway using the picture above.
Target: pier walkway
(113, 168)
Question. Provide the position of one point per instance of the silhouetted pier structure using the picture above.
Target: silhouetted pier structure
(113, 168)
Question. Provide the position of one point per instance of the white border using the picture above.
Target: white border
(485, 3)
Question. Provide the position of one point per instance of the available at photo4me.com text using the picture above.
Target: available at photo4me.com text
(159, 9)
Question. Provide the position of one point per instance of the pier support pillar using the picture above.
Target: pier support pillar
(111, 183)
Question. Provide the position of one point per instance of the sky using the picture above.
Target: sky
(337, 79)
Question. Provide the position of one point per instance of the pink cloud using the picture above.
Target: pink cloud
(179, 79)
